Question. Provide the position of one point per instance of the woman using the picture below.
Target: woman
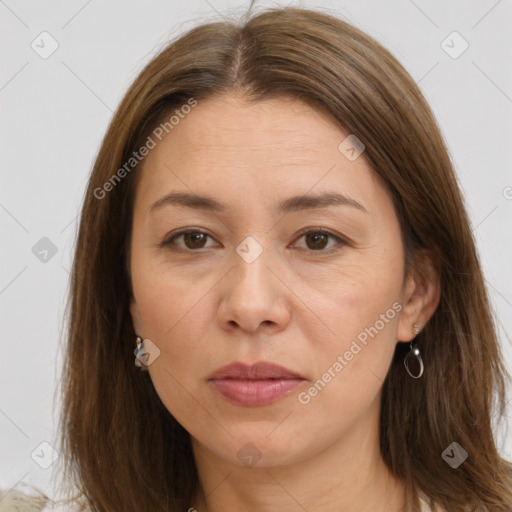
(274, 229)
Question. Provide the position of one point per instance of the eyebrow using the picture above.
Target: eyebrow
(291, 204)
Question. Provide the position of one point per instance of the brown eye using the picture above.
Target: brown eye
(318, 241)
(192, 240)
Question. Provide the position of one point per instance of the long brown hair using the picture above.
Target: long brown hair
(121, 446)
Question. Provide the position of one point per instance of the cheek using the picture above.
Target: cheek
(350, 365)
(173, 316)
(168, 298)
(175, 321)
(359, 353)
(353, 294)
(361, 306)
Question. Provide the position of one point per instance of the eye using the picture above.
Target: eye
(317, 240)
(193, 239)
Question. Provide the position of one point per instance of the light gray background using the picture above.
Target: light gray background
(56, 110)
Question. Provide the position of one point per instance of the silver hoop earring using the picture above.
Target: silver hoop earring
(414, 352)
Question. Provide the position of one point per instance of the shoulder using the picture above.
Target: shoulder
(14, 500)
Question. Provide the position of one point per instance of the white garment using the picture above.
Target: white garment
(425, 508)
(51, 507)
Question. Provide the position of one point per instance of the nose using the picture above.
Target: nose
(254, 297)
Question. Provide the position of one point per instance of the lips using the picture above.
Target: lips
(257, 371)
(254, 385)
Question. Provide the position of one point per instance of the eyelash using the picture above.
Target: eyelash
(168, 241)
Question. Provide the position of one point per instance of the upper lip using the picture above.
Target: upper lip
(259, 370)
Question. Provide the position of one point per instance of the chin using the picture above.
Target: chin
(255, 448)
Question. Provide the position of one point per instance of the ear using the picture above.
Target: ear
(136, 320)
(421, 294)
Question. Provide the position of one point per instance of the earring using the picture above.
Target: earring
(414, 352)
(140, 346)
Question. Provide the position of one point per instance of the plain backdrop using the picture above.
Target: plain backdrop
(55, 110)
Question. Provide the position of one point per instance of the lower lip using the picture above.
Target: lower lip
(255, 392)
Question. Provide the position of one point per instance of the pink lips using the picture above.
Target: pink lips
(253, 385)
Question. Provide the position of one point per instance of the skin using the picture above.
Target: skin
(295, 305)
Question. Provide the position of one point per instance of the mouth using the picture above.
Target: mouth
(254, 385)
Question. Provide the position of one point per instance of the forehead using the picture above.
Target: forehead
(227, 143)
(284, 125)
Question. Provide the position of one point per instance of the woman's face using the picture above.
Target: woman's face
(256, 281)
